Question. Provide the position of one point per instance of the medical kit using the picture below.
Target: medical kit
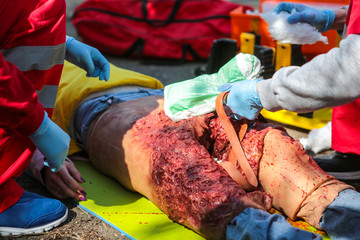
(160, 29)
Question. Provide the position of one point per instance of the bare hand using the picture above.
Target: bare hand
(65, 182)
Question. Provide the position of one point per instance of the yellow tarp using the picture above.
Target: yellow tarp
(133, 214)
(129, 212)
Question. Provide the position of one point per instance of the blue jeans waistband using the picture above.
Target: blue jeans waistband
(87, 111)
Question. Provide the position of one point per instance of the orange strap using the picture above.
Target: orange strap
(234, 140)
(232, 156)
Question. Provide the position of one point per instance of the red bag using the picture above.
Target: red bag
(170, 29)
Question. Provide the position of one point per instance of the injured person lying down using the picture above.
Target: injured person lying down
(179, 166)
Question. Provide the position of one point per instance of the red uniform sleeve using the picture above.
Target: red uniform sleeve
(20, 108)
(353, 18)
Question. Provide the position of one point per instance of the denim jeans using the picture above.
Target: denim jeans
(88, 110)
(258, 224)
(340, 220)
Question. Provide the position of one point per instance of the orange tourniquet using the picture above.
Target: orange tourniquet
(235, 143)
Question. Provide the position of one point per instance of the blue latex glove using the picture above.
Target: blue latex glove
(52, 142)
(320, 19)
(88, 58)
(243, 98)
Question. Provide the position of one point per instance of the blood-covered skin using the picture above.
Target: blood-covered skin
(172, 164)
(191, 187)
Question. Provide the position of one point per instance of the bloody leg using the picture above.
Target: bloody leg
(170, 164)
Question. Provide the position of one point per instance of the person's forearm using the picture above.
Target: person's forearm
(340, 18)
(329, 80)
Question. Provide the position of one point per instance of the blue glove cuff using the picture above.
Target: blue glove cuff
(244, 100)
(69, 40)
(254, 93)
(330, 19)
(42, 128)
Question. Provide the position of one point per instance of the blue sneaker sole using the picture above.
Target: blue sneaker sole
(7, 231)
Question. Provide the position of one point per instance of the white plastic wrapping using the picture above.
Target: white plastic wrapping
(197, 96)
(298, 33)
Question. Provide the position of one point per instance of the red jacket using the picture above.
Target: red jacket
(345, 119)
(32, 43)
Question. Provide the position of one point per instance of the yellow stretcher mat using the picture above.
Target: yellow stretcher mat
(128, 212)
(131, 213)
(319, 119)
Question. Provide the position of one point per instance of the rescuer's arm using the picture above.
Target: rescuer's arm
(20, 108)
(23, 114)
(328, 80)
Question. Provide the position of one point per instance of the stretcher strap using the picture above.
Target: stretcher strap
(234, 140)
